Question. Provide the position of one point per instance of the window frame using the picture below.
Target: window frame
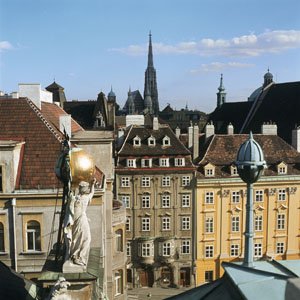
(209, 224)
(185, 180)
(209, 251)
(186, 246)
(145, 181)
(179, 162)
(145, 224)
(145, 201)
(185, 223)
(34, 235)
(165, 200)
(166, 181)
(280, 221)
(281, 194)
(259, 196)
(185, 200)
(235, 196)
(257, 250)
(234, 250)
(209, 197)
(125, 181)
(258, 223)
(235, 223)
(165, 223)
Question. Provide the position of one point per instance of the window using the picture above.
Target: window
(257, 250)
(118, 282)
(185, 223)
(145, 181)
(166, 181)
(185, 180)
(282, 168)
(259, 196)
(209, 197)
(209, 172)
(125, 181)
(126, 200)
(281, 195)
(235, 196)
(235, 224)
(166, 249)
(166, 141)
(146, 162)
(33, 233)
(209, 225)
(131, 163)
(119, 240)
(146, 224)
(128, 249)
(151, 141)
(2, 244)
(209, 276)
(234, 171)
(281, 221)
(209, 251)
(146, 201)
(185, 200)
(127, 225)
(234, 250)
(165, 200)
(166, 223)
(280, 248)
(185, 247)
(258, 223)
(164, 162)
(137, 141)
(1, 179)
(179, 162)
(146, 249)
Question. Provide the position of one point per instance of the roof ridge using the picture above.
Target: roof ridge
(42, 118)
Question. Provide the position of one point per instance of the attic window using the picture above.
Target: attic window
(151, 141)
(179, 162)
(137, 141)
(209, 170)
(131, 162)
(164, 162)
(233, 170)
(166, 141)
(282, 168)
(146, 162)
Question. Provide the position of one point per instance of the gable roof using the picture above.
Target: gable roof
(21, 120)
(222, 152)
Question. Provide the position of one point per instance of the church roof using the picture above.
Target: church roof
(54, 86)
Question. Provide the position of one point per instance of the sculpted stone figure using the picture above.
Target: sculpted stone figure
(59, 290)
(76, 224)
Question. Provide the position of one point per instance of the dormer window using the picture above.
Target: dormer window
(282, 168)
(146, 162)
(166, 141)
(137, 141)
(209, 170)
(151, 141)
(131, 162)
(233, 170)
(164, 162)
(179, 162)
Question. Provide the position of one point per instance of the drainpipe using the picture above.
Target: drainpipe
(13, 205)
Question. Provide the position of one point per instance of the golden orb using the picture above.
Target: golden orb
(82, 166)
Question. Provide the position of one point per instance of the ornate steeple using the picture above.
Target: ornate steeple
(268, 78)
(150, 80)
(130, 101)
(221, 95)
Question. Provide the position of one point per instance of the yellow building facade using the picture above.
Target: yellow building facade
(221, 203)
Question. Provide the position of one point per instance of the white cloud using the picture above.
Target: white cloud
(219, 66)
(5, 45)
(275, 41)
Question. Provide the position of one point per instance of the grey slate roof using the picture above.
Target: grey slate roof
(267, 280)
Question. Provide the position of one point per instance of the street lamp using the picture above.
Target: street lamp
(250, 165)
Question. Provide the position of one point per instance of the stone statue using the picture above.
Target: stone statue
(76, 225)
(59, 290)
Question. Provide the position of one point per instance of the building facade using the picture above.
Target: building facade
(221, 200)
(154, 180)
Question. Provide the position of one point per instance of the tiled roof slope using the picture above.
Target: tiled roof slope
(52, 112)
(281, 104)
(20, 119)
(222, 152)
(176, 148)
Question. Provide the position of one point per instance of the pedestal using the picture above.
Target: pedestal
(70, 267)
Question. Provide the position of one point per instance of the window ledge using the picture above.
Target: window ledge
(3, 253)
(32, 253)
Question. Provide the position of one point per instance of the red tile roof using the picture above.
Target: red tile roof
(21, 119)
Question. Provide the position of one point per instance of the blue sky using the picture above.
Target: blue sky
(89, 45)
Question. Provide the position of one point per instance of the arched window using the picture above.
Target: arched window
(2, 245)
(33, 233)
(118, 282)
(119, 240)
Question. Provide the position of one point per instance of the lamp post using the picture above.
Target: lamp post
(250, 165)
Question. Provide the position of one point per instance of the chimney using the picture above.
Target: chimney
(190, 136)
(209, 130)
(177, 132)
(296, 138)
(65, 124)
(269, 129)
(230, 129)
(196, 142)
(155, 123)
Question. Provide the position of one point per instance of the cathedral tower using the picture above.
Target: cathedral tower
(150, 80)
